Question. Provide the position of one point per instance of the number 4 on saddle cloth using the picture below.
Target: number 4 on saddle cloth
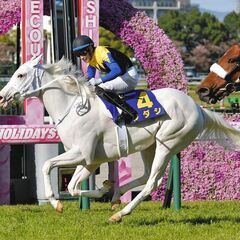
(143, 103)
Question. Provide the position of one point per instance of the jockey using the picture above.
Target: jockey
(120, 76)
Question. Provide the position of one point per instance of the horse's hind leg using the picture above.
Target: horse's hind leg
(147, 157)
(159, 165)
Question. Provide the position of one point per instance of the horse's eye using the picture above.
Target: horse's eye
(20, 75)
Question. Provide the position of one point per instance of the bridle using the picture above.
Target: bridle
(236, 68)
(232, 84)
(80, 101)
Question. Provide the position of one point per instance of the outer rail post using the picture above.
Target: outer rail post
(173, 185)
(176, 182)
(84, 201)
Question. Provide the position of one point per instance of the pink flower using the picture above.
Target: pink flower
(10, 14)
(208, 171)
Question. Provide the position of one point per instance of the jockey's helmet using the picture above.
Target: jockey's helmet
(81, 42)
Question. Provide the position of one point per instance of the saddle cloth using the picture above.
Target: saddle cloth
(143, 101)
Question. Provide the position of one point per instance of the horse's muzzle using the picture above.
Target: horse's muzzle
(3, 102)
(9, 98)
(204, 94)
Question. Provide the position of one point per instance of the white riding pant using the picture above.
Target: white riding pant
(125, 83)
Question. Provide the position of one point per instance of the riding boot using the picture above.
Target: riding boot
(128, 113)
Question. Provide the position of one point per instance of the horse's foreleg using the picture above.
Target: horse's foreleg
(70, 158)
(73, 184)
(81, 173)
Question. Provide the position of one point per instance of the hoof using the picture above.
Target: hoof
(115, 205)
(59, 207)
(115, 218)
(108, 184)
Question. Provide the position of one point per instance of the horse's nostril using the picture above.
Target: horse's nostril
(212, 101)
(230, 88)
(203, 91)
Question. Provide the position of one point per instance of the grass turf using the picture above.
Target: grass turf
(196, 220)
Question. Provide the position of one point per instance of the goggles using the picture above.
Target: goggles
(83, 52)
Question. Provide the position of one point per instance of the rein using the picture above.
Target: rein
(60, 120)
(82, 106)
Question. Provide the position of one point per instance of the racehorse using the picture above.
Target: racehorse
(89, 135)
(224, 77)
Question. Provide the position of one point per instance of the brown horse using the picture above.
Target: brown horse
(224, 77)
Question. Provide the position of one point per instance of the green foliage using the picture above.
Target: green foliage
(196, 220)
(201, 37)
(213, 30)
(107, 38)
(232, 24)
(193, 28)
(9, 38)
(7, 68)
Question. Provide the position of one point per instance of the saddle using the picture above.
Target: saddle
(137, 105)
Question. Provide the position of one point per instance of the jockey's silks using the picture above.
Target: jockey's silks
(109, 61)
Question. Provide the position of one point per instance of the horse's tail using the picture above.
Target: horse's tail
(219, 130)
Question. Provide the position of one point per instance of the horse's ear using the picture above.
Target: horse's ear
(37, 60)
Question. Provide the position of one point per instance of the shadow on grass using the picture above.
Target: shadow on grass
(31, 210)
(144, 222)
(209, 220)
(193, 221)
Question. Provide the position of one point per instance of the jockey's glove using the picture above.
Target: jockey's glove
(94, 81)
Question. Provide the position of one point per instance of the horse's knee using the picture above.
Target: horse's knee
(72, 191)
(72, 187)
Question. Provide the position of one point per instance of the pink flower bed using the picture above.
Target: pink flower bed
(208, 172)
(10, 14)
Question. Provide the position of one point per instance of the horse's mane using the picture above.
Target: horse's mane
(74, 77)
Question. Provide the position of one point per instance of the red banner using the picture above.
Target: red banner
(28, 134)
(32, 29)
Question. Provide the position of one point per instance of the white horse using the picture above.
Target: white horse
(89, 136)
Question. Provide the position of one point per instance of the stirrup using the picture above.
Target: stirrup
(126, 118)
(99, 91)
